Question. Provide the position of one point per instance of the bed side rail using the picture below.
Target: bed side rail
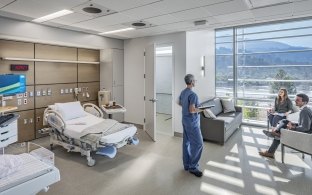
(93, 109)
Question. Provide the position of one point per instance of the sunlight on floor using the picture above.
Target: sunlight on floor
(262, 176)
(211, 189)
(225, 166)
(232, 158)
(224, 178)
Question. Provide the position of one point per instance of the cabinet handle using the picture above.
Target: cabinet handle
(4, 132)
(4, 140)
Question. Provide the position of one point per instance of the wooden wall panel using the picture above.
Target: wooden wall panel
(16, 49)
(56, 96)
(55, 52)
(88, 72)
(5, 69)
(91, 88)
(26, 126)
(89, 55)
(51, 72)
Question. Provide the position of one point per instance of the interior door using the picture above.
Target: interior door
(150, 92)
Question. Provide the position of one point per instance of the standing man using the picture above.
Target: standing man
(192, 137)
(304, 124)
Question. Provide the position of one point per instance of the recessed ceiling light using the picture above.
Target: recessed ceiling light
(116, 31)
(53, 16)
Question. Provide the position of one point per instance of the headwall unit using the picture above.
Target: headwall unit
(52, 76)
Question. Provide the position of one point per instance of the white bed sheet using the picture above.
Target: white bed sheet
(75, 127)
(31, 168)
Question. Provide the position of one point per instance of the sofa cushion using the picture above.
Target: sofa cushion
(228, 105)
(217, 109)
(230, 119)
(208, 114)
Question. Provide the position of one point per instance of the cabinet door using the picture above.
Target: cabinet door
(118, 97)
(26, 126)
(118, 67)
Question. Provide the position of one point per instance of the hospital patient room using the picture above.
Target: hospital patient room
(55, 107)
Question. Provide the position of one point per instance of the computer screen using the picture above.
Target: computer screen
(11, 84)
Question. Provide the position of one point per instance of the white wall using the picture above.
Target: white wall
(134, 70)
(31, 32)
(198, 44)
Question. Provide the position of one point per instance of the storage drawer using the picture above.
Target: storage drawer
(6, 141)
(10, 127)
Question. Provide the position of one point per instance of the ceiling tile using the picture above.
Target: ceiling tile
(71, 19)
(122, 5)
(191, 14)
(272, 11)
(181, 5)
(234, 16)
(5, 2)
(302, 6)
(263, 3)
(164, 19)
(226, 8)
(147, 11)
(39, 8)
(177, 25)
(104, 21)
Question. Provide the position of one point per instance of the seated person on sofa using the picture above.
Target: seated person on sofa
(282, 107)
(304, 124)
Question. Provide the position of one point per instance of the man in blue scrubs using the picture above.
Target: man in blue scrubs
(192, 137)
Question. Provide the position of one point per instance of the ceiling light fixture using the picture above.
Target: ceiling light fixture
(53, 16)
(116, 31)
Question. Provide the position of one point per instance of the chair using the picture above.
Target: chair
(296, 140)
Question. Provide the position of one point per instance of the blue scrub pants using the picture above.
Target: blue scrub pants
(192, 145)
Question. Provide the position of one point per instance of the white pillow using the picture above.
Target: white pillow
(228, 105)
(208, 114)
(70, 110)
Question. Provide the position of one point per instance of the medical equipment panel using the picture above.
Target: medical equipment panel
(88, 91)
(26, 125)
(23, 101)
(54, 93)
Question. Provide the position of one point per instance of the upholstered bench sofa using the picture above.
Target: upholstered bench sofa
(218, 123)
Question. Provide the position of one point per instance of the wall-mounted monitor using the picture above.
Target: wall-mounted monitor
(11, 84)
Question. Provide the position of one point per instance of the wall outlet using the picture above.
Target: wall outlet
(19, 102)
(31, 94)
(44, 92)
(66, 90)
(38, 93)
(26, 94)
(62, 91)
(25, 101)
(25, 121)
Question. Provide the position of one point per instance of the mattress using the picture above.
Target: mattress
(116, 132)
(31, 168)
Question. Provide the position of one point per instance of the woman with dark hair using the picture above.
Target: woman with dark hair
(282, 107)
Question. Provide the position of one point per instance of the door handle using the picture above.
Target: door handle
(153, 100)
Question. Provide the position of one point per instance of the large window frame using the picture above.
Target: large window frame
(227, 87)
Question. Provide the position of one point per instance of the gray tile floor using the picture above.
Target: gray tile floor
(156, 168)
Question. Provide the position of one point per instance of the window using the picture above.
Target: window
(253, 62)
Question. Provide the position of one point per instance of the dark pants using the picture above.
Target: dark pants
(276, 142)
(274, 119)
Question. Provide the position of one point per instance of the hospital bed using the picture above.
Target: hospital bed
(27, 173)
(82, 129)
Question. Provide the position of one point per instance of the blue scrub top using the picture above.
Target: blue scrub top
(188, 97)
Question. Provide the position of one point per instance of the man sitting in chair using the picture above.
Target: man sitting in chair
(304, 124)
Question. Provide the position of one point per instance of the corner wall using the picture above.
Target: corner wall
(198, 44)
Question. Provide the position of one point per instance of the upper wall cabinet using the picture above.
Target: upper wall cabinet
(16, 49)
(112, 68)
(88, 55)
(55, 52)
